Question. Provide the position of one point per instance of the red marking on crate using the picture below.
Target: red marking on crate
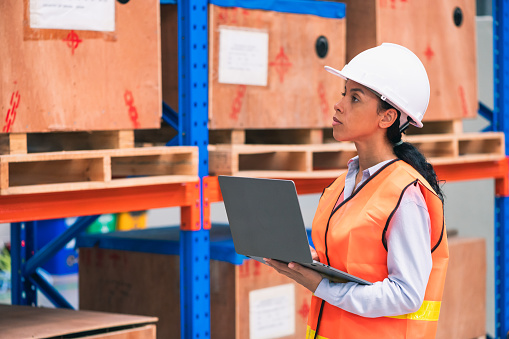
(11, 112)
(85, 257)
(429, 53)
(133, 112)
(463, 98)
(237, 102)
(282, 64)
(244, 269)
(304, 310)
(114, 257)
(73, 41)
(384, 3)
(99, 256)
(324, 106)
(228, 15)
(257, 266)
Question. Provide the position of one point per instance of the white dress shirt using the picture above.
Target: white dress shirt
(409, 260)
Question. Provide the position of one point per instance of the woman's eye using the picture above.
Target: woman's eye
(354, 99)
(343, 94)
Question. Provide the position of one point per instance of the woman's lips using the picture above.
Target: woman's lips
(335, 121)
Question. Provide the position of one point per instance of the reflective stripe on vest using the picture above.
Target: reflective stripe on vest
(310, 334)
(429, 311)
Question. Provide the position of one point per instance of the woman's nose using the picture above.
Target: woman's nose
(338, 107)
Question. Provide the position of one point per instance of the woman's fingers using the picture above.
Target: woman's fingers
(314, 254)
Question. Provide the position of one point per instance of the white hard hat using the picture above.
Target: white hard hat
(396, 74)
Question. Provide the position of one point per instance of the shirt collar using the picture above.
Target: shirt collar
(353, 164)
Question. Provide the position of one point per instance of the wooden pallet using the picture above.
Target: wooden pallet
(96, 169)
(314, 135)
(329, 160)
(23, 143)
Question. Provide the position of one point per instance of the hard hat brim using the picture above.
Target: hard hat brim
(415, 122)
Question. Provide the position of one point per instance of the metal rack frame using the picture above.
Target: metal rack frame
(500, 122)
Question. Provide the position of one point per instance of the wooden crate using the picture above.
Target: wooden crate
(145, 279)
(463, 311)
(294, 69)
(80, 80)
(95, 169)
(20, 322)
(428, 29)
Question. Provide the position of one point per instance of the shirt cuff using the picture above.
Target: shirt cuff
(322, 291)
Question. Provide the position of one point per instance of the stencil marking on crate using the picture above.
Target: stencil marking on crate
(133, 112)
(225, 13)
(463, 98)
(429, 53)
(11, 112)
(237, 102)
(304, 309)
(72, 40)
(385, 3)
(282, 64)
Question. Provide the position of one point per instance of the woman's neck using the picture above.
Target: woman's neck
(374, 152)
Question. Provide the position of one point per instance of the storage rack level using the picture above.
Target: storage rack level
(19, 210)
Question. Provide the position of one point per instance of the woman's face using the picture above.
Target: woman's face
(356, 116)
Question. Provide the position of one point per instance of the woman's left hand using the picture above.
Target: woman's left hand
(302, 275)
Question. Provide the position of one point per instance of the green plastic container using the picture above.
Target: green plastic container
(104, 224)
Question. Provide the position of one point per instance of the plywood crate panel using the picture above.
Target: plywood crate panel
(463, 311)
(299, 92)
(80, 80)
(447, 50)
(20, 322)
(108, 283)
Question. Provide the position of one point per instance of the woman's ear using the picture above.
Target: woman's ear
(388, 118)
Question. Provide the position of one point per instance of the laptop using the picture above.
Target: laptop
(266, 222)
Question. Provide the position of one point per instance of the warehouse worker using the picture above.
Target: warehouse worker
(383, 219)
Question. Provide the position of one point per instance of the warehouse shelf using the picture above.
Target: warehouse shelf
(195, 198)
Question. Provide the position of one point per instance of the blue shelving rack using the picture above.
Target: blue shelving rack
(500, 122)
(193, 131)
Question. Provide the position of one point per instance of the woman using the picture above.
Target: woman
(382, 220)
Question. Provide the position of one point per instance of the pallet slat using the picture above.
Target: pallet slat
(23, 143)
(320, 160)
(79, 170)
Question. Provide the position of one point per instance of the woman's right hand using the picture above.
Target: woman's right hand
(314, 254)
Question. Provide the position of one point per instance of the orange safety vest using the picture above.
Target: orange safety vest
(352, 238)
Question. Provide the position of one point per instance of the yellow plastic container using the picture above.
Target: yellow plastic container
(131, 220)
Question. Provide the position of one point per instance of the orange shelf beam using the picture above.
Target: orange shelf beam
(498, 170)
(28, 207)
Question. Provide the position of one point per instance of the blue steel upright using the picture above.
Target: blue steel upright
(501, 123)
(193, 131)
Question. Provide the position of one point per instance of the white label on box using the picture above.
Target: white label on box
(272, 312)
(86, 15)
(243, 56)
